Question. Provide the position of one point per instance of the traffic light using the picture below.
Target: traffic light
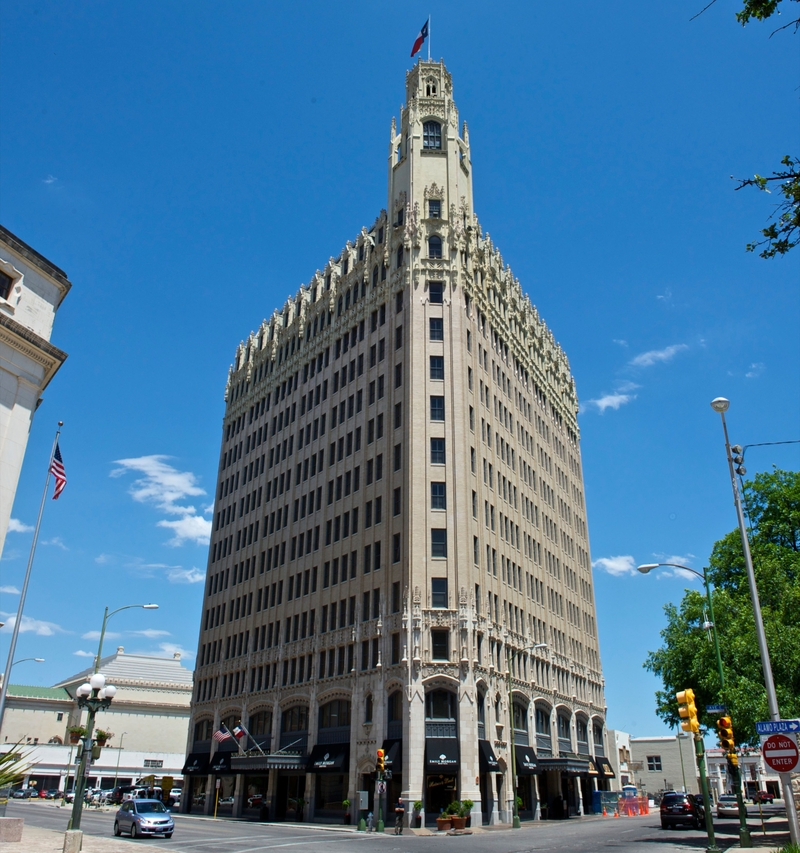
(687, 710)
(381, 761)
(725, 734)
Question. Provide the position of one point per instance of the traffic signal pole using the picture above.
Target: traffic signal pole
(701, 766)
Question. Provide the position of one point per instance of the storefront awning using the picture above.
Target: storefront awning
(220, 764)
(593, 771)
(196, 764)
(393, 759)
(441, 754)
(329, 758)
(567, 766)
(487, 760)
(605, 768)
(526, 761)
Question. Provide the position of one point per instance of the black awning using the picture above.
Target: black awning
(329, 758)
(567, 766)
(196, 764)
(393, 759)
(605, 768)
(593, 769)
(441, 753)
(526, 761)
(487, 760)
(220, 763)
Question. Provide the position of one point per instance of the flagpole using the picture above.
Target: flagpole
(429, 38)
(15, 633)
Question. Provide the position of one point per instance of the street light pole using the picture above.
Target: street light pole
(119, 755)
(744, 832)
(106, 617)
(720, 405)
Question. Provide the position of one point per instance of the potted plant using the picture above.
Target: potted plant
(444, 821)
(417, 814)
(102, 736)
(76, 733)
(459, 817)
(346, 805)
(300, 805)
(466, 810)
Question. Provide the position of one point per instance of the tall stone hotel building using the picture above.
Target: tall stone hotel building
(399, 519)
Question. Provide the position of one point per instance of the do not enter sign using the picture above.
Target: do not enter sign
(780, 753)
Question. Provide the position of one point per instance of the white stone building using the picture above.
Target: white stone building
(400, 554)
(149, 719)
(31, 290)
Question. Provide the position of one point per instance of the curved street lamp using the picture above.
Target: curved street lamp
(106, 617)
(22, 660)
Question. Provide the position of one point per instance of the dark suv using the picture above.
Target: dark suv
(678, 808)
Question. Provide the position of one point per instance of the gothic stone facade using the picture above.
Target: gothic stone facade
(399, 520)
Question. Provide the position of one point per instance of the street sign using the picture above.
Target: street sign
(715, 709)
(381, 787)
(780, 752)
(777, 727)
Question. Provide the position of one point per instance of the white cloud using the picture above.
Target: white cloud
(102, 559)
(49, 180)
(81, 654)
(95, 635)
(190, 528)
(609, 401)
(163, 486)
(9, 590)
(620, 341)
(30, 625)
(193, 575)
(616, 566)
(666, 296)
(16, 526)
(677, 560)
(654, 356)
(152, 633)
(755, 370)
(57, 541)
(171, 648)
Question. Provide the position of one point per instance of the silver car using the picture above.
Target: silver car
(143, 817)
(727, 806)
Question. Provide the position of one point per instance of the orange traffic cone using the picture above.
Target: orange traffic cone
(616, 813)
(605, 814)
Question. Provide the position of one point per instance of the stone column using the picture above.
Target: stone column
(414, 744)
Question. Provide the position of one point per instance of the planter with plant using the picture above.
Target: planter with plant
(76, 733)
(102, 736)
(346, 806)
(417, 814)
(466, 810)
(300, 805)
(13, 767)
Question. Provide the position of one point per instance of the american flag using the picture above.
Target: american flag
(221, 735)
(57, 470)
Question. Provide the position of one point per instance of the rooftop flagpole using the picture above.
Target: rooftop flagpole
(15, 632)
(429, 38)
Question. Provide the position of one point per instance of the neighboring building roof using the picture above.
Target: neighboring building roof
(40, 261)
(662, 738)
(26, 691)
(137, 670)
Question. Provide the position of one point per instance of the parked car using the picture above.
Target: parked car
(143, 817)
(678, 808)
(53, 794)
(226, 801)
(762, 797)
(256, 801)
(727, 806)
(24, 793)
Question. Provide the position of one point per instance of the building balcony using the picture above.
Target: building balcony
(443, 729)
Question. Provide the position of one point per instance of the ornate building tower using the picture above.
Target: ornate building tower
(400, 553)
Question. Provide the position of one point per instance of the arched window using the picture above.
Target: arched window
(481, 707)
(203, 729)
(295, 719)
(375, 275)
(435, 246)
(432, 135)
(520, 717)
(582, 730)
(260, 723)
(394, 707)
(542, 722)
(334, 714)
(563, 728)
(368, 708)
(440, 705)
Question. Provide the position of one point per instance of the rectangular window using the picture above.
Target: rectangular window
(436, 328)
(439, 592)
(437, 408)
(398, 375)
(654, 762)
(435, 293)
(438, 498)
(398, 456)
(437, 367)
(398, 415)
(397, 505)
(398, 337)
(438, 542)
(396, 597)
(434, 208)
(396, 548)
(437, 451)
(440, 644)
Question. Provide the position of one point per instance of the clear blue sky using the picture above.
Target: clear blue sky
(191, 164)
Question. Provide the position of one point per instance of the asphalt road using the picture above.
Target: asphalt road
(194, 834)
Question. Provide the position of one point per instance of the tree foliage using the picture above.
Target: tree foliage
(13, 767)
(687, 658)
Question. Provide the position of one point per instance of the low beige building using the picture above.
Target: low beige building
(149, 719)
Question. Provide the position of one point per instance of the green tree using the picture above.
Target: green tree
(686, 658)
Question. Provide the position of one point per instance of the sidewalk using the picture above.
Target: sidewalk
(38, 840)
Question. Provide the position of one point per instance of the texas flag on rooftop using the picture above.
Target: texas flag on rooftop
(423, 34)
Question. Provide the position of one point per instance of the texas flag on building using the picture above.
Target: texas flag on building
(423, 34)
(238, 732)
